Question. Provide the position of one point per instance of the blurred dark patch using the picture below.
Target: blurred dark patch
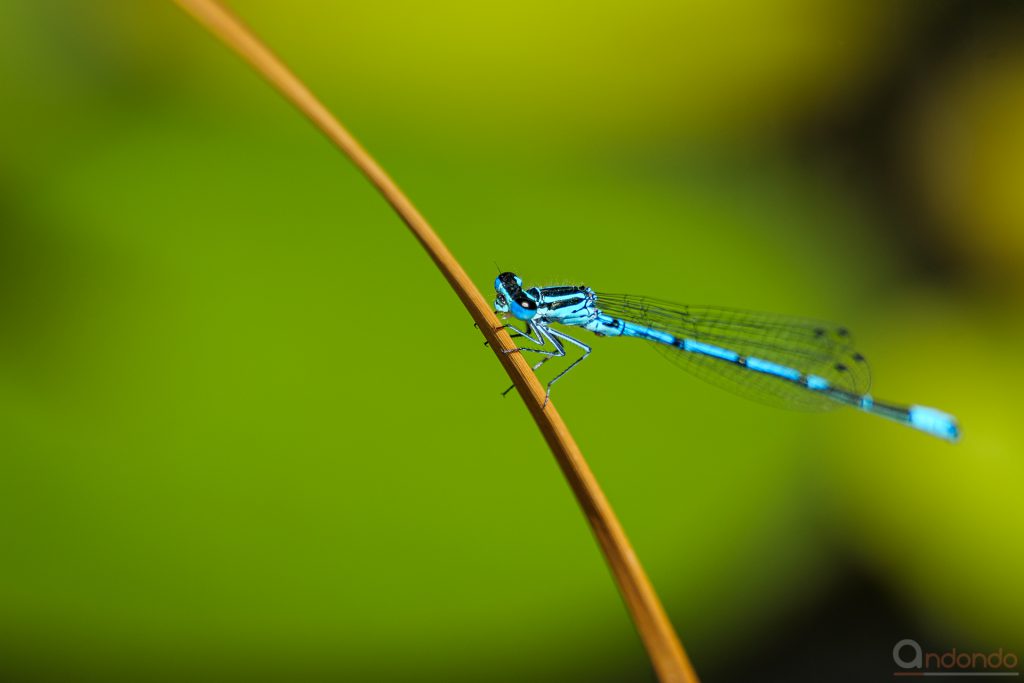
(861, 142)
(47, 274)
(30, 269)
(98, 57)
(848, 636)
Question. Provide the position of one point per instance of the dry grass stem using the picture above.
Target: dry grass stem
(663, 646)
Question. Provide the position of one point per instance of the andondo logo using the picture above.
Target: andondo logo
(912, 660)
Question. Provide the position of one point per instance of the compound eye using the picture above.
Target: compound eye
(527, 303)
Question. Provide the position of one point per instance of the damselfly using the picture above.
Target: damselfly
(789, 362)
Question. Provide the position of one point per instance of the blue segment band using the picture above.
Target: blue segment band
(643, 332)
(710, 350)
(934, 422)
(817, 383)
(770, 368)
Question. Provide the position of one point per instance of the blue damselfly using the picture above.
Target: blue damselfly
(779, 360)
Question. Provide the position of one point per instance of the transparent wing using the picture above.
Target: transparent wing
(810, 346)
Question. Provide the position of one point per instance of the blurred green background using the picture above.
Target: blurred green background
(247, 431)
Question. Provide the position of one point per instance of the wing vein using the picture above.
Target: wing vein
(810, 346)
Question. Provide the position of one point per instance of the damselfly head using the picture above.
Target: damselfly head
(512, 299)
(508, 286)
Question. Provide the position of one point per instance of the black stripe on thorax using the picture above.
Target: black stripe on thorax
(562, 290)
(555, 305)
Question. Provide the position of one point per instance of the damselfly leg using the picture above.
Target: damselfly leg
(577, 342)
(545, 333)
